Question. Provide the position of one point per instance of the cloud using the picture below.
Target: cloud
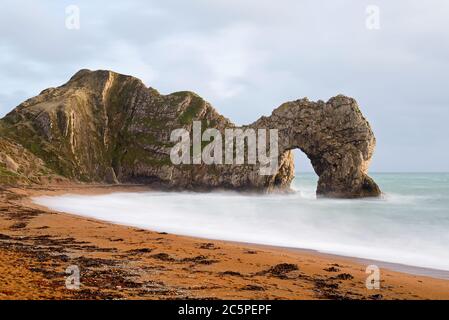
(247, 57)
(221, 59)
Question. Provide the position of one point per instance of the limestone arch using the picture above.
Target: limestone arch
(336, 138)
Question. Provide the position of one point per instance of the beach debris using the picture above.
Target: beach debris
(208, 246)
(163, 257)
(331, 269)
(343, 276)
(250, 252)
(252, 287)
(140, 250)
(18, 225)
(200, 260)
(231, 273)
(280, 270)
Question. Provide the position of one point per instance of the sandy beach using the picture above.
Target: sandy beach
(37, 245)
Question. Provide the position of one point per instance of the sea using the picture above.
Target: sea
(408, 225)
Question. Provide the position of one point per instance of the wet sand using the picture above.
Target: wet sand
(403, 268)
(119, 262)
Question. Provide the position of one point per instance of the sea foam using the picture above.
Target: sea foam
(409, 225)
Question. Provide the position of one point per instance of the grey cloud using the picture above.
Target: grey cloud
(246, 57)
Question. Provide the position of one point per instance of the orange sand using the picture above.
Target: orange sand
(118, 262)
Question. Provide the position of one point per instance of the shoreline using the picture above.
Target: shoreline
(393, 266)
(398, 267)
(175, 265)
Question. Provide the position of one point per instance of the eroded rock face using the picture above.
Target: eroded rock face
(337, 139)
(106, 127)
(20, 166)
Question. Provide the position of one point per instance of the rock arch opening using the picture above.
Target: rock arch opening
(305, 179)
(302, 163)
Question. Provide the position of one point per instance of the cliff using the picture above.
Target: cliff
(106, 127)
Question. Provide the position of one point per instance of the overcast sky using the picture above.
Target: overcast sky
(246, 57)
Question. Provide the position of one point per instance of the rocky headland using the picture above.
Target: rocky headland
(105, 127)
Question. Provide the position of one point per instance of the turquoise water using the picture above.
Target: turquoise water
(408, 225)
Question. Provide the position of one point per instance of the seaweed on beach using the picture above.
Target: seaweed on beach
(280, 270)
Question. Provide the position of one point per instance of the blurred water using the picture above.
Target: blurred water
(409, 225)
